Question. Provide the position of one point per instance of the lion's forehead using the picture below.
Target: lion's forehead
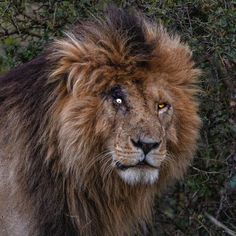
(148, 88)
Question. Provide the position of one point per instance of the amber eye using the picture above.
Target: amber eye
(161, 106)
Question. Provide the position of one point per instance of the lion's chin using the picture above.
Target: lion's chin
(135, 176)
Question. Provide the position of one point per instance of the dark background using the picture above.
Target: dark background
(204, 203)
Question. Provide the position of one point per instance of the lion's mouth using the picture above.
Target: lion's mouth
(140, 165)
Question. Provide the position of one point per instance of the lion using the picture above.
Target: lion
(95, 128)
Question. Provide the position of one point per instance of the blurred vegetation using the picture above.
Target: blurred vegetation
(204, 203)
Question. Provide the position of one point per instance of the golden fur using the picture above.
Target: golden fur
(71, 147)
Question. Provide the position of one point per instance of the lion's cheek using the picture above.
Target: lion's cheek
(102, 127)
(171, 134)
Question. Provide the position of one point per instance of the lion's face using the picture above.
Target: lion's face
(131, 105)
(141, 114)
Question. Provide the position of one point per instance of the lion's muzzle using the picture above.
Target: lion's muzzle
(139, 160)
(145, 146)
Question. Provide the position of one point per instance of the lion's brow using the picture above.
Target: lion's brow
(117, 91)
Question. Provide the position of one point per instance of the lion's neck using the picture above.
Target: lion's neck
(111, 207)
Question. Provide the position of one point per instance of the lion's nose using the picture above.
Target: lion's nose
(145, 146)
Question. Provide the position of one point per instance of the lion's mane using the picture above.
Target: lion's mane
(51, 133)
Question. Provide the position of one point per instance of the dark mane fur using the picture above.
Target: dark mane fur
(26, 91)
(120, 25)
(132, 27)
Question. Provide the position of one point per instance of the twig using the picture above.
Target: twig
(54, 15)
(202, 226)
(189, 20)
(220, 225)
(15, 25)
(6, 9)
(179, 227)
(206, 172)
(22, 30)
(223, 198)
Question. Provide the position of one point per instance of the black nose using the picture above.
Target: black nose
(145, 146)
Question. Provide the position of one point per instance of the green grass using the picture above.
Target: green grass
(208, 26)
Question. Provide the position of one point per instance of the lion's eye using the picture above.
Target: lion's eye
(161, 106)
(117, 95)
(118, 100)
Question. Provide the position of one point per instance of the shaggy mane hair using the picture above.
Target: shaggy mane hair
(52, 137)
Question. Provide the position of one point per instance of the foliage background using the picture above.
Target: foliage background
(204, 203)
